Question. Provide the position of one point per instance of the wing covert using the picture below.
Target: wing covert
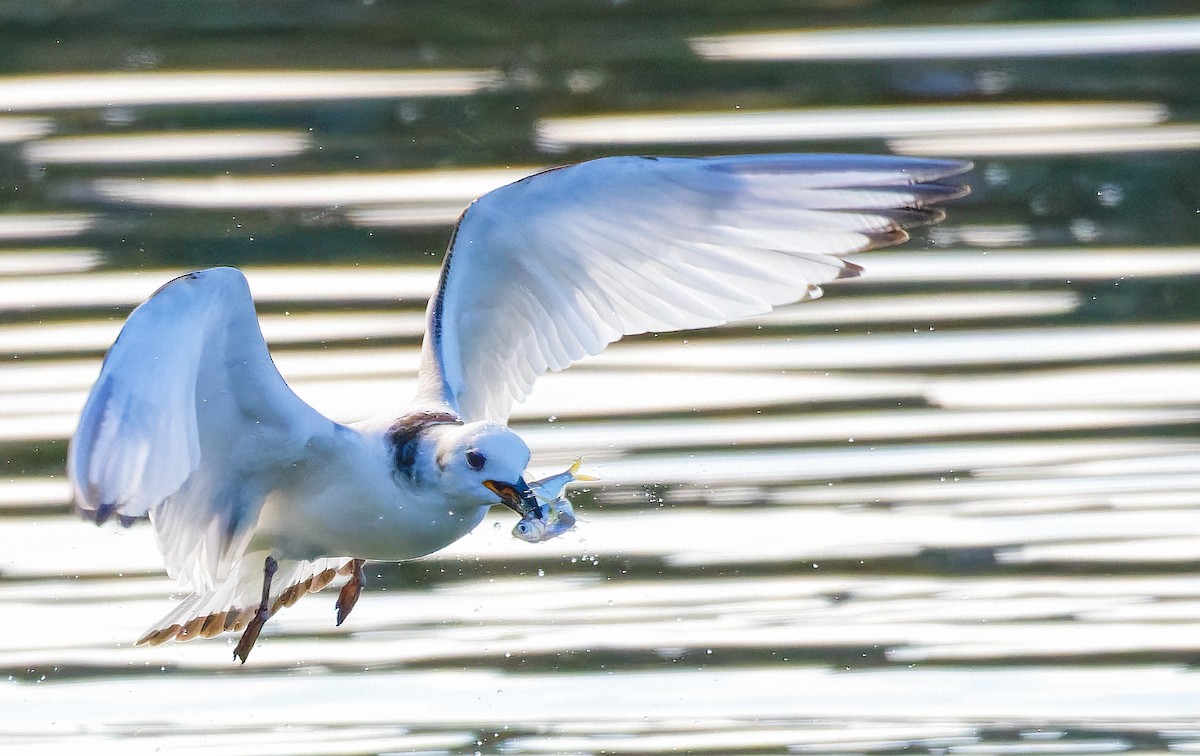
(560, 264)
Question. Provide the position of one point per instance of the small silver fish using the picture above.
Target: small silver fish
(556, 517)
(553, 515)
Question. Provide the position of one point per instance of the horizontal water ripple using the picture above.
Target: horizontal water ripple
(835, 536)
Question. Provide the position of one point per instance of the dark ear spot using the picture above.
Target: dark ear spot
(476, 459)
(406, 434)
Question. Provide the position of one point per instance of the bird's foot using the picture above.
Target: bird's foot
(254, 627)
(250, 635)
(350, 592)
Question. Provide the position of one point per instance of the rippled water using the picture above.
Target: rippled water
(953, 507)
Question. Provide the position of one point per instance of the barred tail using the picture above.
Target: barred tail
(232, 604)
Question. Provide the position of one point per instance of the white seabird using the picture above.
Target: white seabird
(257, 499)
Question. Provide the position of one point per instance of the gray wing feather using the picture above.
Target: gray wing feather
(560, 264)
(188, 424)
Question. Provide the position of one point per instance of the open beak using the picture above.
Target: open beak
(517, 497)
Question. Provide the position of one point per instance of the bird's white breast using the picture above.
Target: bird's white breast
(344, 500)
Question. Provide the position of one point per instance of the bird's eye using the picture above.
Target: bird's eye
(476, 459)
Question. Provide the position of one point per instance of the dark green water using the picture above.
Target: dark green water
(952, 507)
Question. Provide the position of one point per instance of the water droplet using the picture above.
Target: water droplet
(1085, 229)
(996, 174)
(541, 572)
(993, 81)
(1110, 195)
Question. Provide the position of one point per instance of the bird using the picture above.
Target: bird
(257, 499)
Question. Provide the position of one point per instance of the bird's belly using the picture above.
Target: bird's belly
(345, 522)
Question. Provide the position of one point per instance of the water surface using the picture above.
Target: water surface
(952, 507)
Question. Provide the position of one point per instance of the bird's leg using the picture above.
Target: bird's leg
(250, 636)
(351, 590)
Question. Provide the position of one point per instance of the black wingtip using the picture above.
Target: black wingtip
(99, 515)
(105, 512)
(850, 270)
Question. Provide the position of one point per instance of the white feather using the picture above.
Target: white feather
(237, 597)
(187, 423)
(559, 265)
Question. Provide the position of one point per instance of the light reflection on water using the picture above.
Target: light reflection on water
(32, 226)
(22, 129)
(22, 262)
(560, 134)
(994, 40)
(355, 284)
(951, 508)
(1062, 266)
(166, 147)
(424, 189)
(106, 90)
(1165, 138)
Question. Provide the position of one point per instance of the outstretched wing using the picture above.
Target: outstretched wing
(188, 423)
(560, 264)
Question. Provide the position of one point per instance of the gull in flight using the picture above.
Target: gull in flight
(256, 498)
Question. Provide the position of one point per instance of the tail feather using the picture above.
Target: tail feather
(232, 604)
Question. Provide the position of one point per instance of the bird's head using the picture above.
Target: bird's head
(485, 463)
